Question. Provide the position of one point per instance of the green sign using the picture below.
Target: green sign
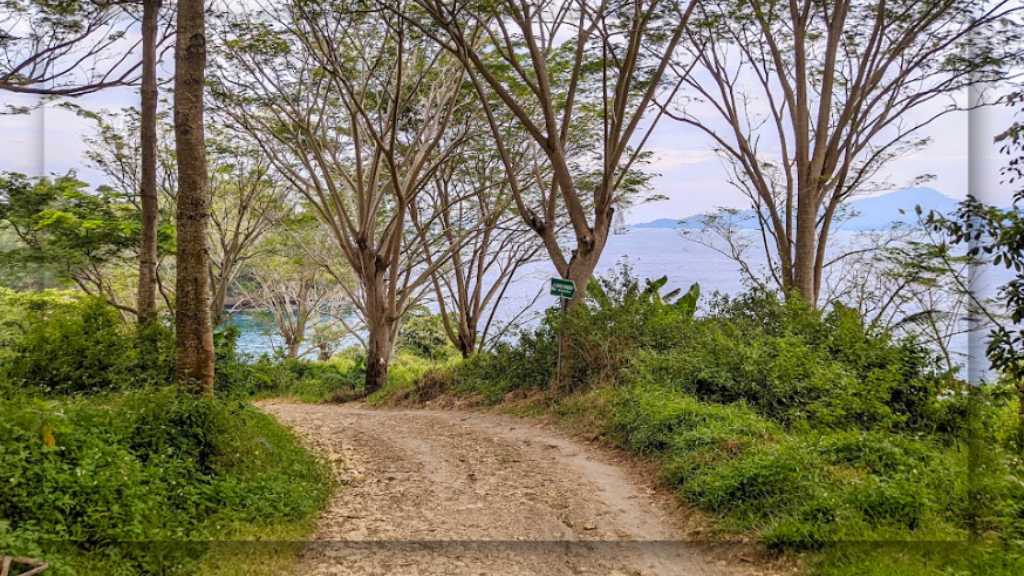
(563, 288)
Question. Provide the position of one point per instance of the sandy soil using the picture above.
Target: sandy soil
(459, 493)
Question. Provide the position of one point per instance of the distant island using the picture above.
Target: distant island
(874, 213)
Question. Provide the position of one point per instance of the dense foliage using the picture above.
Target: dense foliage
(67, 343)
(107, 470)
(788, 362)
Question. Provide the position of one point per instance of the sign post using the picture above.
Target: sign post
(565, 290)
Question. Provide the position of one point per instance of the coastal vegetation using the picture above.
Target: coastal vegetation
(110, 469)
(371, 176)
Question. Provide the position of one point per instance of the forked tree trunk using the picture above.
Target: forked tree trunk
(148, 189)
(193, 330)
(293, 342)
(585, 258)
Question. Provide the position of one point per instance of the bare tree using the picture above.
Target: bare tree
(296, 294)
(473, 193)
(353, 109)
(293, 282)
(194, 354)
(567, 72)
(65, 48)
(249, 198)
(809, 101)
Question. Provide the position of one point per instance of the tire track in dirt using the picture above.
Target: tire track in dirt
(457, 493)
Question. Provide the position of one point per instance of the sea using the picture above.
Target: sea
(649, 253)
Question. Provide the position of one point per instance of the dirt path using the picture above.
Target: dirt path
(455, 493)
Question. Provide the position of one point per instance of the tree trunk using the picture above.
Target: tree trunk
(324, 352)
(148, 140)
(293, 347)
(584, 262)
(467, 342)
(220, 295)
(382, 327)
(219, 288)
(805, 256)
(193, 330)
(378, 358)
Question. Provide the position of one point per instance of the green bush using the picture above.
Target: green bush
(787, 362)
(802, 488)
(84, 479)
(66, 343)
(652, 420)
(303, 379)
(423, 335)
(527, 365)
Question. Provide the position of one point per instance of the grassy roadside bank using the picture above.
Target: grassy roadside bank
(105, 469)
(147, 482)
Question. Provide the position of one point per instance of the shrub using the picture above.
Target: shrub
(786, 361)
(423, 335)
(528, 364)
(652, 419)
(85, 478)
(303, 379)
(66, 343)
(801, 489)
(405, 372)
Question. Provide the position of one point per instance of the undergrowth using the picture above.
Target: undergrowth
(105, 469)
(117, 483)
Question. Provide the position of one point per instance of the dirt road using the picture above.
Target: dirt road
(455, 493)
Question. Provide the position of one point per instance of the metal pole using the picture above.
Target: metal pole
(561, 332)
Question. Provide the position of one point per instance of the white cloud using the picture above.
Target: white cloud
(668, 159)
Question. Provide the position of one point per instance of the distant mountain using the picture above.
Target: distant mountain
(659, 223)
(879, 212)
(874, 213)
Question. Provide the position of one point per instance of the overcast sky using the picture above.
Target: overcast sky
(691, 176)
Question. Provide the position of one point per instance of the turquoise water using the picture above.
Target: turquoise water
(256, 336)
(255, 333)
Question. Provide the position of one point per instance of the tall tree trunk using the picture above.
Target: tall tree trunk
(586, 256)
(382, 327)
(193, 329)
(148, 140)
(293, 347)
(805, 256)
(378, 359)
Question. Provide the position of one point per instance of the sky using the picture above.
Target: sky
(690, 175)
(693, 178)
